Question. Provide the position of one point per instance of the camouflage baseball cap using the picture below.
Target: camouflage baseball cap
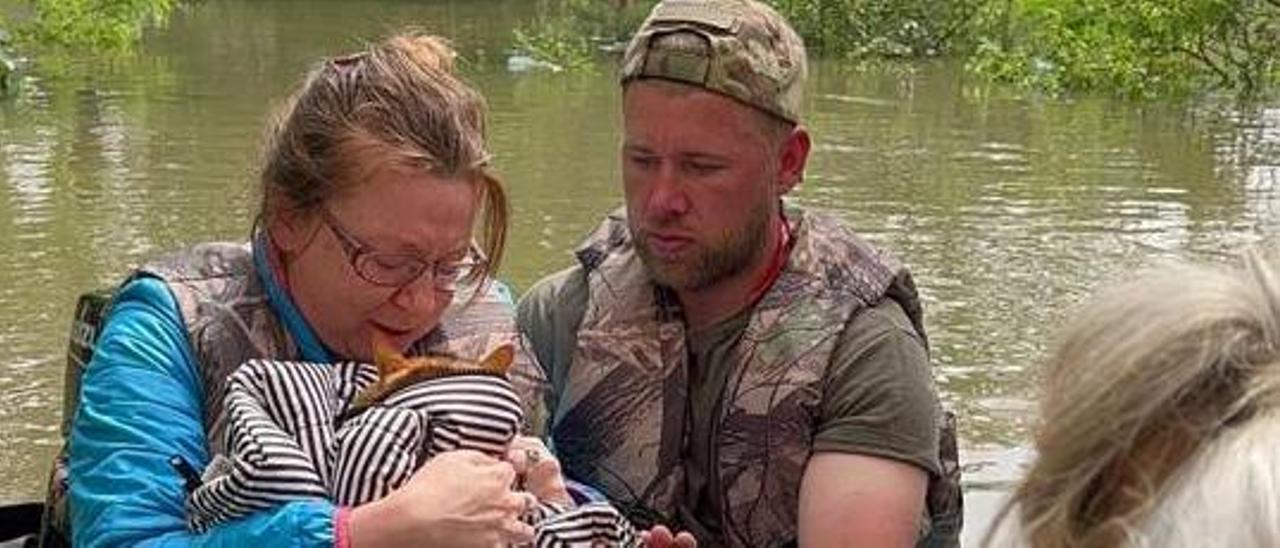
(741, 48)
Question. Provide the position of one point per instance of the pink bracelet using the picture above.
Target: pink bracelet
(342, 528)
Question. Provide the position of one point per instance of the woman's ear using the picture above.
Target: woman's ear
(291, 229)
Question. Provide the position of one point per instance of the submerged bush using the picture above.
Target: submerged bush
(8, 66)
(571, 33)
(869, 29)
(1137, 47)
(99, 24)
(855, 29)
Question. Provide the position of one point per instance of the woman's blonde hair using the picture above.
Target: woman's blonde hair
(1145, 382)
(400, 95)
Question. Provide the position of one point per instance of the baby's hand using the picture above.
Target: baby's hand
(538, 469)
(661, 537)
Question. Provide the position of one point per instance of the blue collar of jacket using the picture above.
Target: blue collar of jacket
(309, 344)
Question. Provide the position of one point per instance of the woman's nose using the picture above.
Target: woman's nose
(420, 294)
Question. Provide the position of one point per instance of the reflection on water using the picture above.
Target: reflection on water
(1009, 210)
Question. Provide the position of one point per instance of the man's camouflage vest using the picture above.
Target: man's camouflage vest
(229, 321)
(619, 423)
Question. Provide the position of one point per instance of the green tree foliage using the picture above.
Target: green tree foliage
(8, 66)
(570, 33)
(865, 29)
(566, 30)
(1139, 48)
(1135, 47)
(99, 24)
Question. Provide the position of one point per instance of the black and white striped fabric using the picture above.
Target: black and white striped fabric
(280, 426)
(590, 525)
(379, 449)
(286, 443)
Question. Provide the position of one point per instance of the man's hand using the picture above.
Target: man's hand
(661, 537)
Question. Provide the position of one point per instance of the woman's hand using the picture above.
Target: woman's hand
(539, 470)
(457, 499)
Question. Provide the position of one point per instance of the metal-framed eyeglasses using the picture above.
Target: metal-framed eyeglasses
(390, 269)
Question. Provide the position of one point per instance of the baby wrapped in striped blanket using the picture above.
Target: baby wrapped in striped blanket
(353, 432)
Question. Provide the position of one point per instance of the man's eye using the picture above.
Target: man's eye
(644, 161)
(701, 168)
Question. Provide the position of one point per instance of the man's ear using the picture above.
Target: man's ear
(792, 159)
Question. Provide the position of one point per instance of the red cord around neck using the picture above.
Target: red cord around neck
(777, 260)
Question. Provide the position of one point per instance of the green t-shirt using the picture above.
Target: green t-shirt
(878, 397)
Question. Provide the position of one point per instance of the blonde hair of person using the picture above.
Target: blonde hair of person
(399, 99)
(1159, 417)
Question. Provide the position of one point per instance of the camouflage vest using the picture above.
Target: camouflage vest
(229, 321)
(630, 373)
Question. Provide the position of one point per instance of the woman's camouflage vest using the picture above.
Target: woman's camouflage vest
(229, 321)
(619, 423)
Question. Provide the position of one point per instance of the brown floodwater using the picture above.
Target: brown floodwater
(1009, 208)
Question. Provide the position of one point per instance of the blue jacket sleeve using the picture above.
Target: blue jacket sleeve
(140, 405)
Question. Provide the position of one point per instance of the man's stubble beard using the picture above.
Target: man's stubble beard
(727, 255)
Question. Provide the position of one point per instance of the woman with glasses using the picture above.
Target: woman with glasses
(378, 219)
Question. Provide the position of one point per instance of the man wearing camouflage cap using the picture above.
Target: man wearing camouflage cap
(720, 362)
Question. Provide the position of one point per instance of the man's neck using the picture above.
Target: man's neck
(708, 306)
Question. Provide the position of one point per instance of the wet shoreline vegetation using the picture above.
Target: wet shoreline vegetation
(54, 27)
(95, 24)
(1136, 48)
(8, 65)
